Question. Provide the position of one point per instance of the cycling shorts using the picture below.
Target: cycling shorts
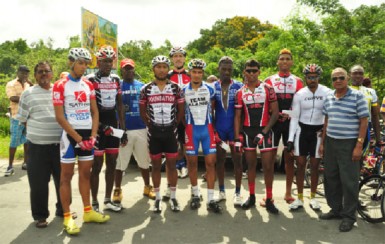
(307, 140)
(226, 135)
(196, 134)
(249, 133)
(162, 140)
(69, 148)
(107, 144)
(281, 129)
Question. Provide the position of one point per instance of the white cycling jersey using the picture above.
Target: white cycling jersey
(307, 108)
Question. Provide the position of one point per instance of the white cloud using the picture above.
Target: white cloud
(154, 20)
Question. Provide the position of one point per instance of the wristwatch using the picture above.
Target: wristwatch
(360, 140)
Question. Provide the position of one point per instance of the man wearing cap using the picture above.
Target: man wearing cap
(14, 89)
(136, 132)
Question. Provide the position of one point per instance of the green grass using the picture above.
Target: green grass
(4, 149)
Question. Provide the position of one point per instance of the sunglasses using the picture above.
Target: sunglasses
(40, 72)
(312, 77)
(338, 78)
(249, 71)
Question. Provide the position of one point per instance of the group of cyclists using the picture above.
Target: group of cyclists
(176, 113)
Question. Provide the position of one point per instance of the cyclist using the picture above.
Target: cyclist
(258, 103)
(285, 85)
(76, 112)
(136, 131)
(109, 101)
(179, 75)
(199, 99)
(305, 130)
(357, 78)
(161, 109)
(225, 90)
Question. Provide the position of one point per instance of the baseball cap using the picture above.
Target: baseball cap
(126, 62)
(23, 68)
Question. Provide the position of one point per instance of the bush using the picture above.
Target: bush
(4, 126)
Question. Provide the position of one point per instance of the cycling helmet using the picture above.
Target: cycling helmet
(77, 53)
(177, 50)
(225, 59)
(160, 59)
(197, 63)
(312, 68)
(105, 52)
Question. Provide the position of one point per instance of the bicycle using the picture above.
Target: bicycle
(371, 205)
(320, 190)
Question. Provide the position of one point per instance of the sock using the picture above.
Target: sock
(107, 199)
(237, 190)
(300, 196)
(210, 195)
(67, 215)
(195, 191)
(312, 195)
(87, 209)
(222, 188)
(157, 193)
(173, 191)
(252, 188)
(269, 192)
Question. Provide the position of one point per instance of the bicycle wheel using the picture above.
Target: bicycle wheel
(370, 195)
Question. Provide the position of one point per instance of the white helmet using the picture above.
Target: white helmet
(105, 52)
(160, 59)
(197, 63)
(177, 50)
(79, 53)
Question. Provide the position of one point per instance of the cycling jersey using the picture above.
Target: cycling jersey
(161, 105)
(224, 118)
(180, 78)
(370, 97)
(106, 90)
(307, 108)
(130, 97)
(285, 86)
(255, 104)
(75, 95)
(198, 104)
(198, 119)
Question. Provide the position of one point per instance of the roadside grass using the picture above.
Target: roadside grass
(4, 149)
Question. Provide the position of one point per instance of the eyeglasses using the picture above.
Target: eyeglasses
(338, 78)
(357, 73)
(40, 72)
(252, 71)
(312, 77)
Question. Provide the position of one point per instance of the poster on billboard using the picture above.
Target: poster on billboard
(97, 32)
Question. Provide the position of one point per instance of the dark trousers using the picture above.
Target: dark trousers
(43, 160)
(341, 174)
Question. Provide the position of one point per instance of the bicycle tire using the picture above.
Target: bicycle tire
(371, 192)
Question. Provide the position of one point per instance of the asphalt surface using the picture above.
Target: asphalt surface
(138, 224)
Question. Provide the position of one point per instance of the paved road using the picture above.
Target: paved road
(137, 224)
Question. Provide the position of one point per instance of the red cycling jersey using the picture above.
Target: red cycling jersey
(180, 78)
(75, 97)
(285, 86)
(255, 104)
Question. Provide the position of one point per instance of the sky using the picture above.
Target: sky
(154, 20)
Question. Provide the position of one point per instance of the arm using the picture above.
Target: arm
(180, 112)
(323, 136)
(121, 112)
(376, 123)
(357, 151)
(296, 111)
(60, 118)
(143, 113)
(273, 107)
(237, 122)
(95, 117)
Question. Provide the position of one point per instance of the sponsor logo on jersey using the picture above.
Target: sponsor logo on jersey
(161, 99)
(80, 96)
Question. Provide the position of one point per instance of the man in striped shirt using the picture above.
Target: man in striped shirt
(346, 120)
(43, 135)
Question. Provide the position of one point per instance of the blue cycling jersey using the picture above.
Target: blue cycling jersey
(224, 119)
(130, 97)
